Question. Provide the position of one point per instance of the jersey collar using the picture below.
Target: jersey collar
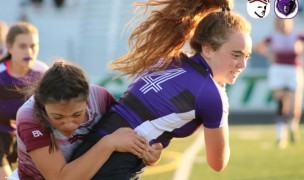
(203, 62)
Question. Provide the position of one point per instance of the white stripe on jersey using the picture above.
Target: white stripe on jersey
(152, 129)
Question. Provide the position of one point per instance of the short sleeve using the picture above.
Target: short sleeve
(212, 105)
(33, 136)
(30, 132)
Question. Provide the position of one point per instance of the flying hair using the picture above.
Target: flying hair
(163, 34)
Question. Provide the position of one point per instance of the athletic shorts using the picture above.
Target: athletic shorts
(120, 166)
(283, 76)
(8, 149)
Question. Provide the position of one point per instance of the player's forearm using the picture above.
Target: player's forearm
(86, 166)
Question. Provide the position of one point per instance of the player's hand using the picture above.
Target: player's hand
(126, 140)
(152, 156)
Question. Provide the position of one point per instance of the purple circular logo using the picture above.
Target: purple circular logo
(286, 7)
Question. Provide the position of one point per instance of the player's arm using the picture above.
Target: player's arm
(217, 147)
(153, 154)
(54, 166)
(263, 49)
(213, 108)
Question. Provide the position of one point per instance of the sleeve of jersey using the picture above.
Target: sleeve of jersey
(40, 66)
(212, 106)
(33, 135)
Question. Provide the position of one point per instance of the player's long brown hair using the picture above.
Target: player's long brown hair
(215, 29)
(164, 33)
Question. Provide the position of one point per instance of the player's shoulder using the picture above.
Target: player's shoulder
(26, 112)
(98, 91)
(39, 66)
(210, 90)
(97, 88)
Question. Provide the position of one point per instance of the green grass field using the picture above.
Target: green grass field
(254, 156)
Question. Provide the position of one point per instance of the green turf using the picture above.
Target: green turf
(254, 156)
(177, 145)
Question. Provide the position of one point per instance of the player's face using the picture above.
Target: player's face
(231, 58)
(24, 49)
(67, 116)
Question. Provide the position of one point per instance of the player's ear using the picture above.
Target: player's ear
(9, 47)
(207, 51)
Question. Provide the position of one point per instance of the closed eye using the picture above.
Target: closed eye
(57, 118)
(76, 115)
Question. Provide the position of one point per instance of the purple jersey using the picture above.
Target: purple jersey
(171, 103)
(11, 98)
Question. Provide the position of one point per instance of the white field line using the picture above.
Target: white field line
(184, 169)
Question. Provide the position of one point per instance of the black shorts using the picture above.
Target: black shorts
(120, 166)
(8, 149)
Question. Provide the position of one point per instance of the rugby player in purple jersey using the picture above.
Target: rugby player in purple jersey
(17, 70)
(173, 94)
